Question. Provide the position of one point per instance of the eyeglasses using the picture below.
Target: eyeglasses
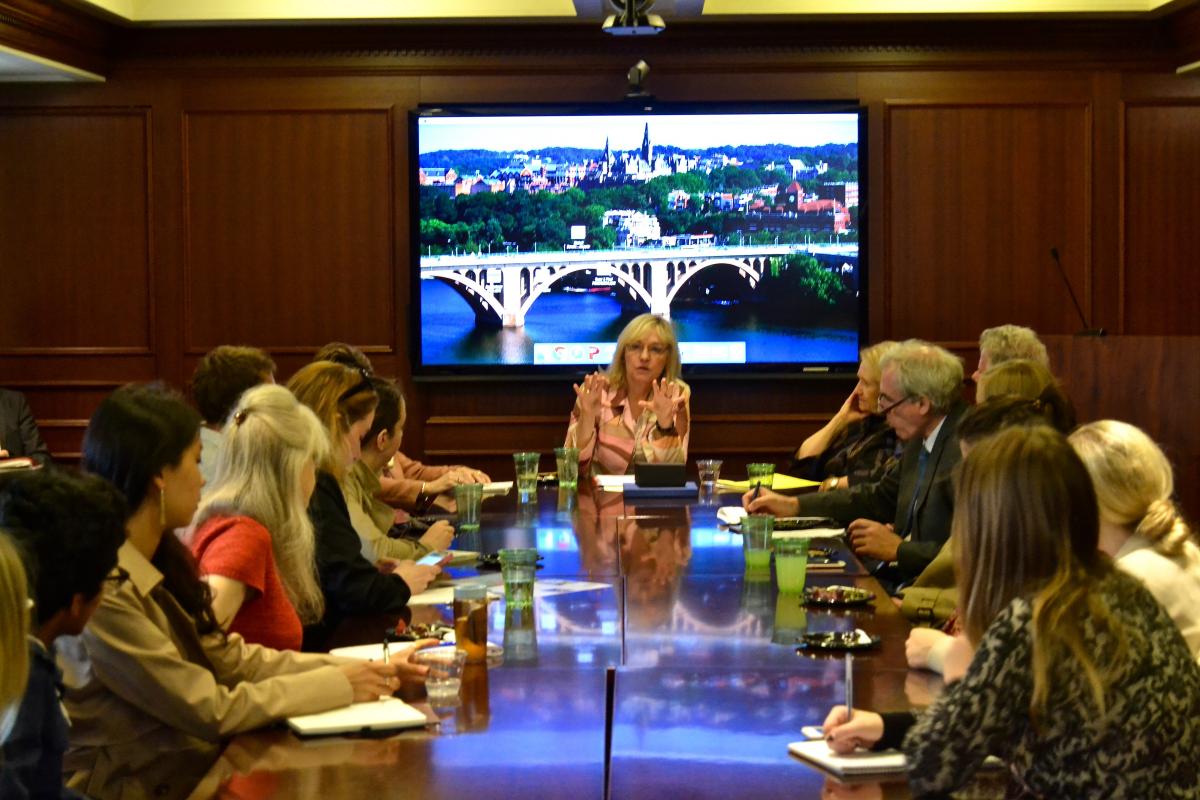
(364, 385)
(117, 577)
(885, 410)
(656, 350)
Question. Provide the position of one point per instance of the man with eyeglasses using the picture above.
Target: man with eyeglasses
(899, 522)
(69, 528)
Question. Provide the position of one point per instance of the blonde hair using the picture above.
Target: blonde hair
(268, 441)
(340, 396)
(1026, 526)
(639, 327)
(14, 624)
(926, 370)
(1019, 377)
(1134, 482)
(1006, 342)
(872, 357)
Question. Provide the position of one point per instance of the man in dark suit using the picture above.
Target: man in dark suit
(18, 432)
(903, 519)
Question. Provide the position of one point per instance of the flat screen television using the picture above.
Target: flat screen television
(539, 231)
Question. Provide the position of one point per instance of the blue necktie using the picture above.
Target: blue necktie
(922, 462)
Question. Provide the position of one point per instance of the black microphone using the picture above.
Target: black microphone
(1088, 330)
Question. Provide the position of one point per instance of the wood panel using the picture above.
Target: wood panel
(976, 196)
(75, 231)
(1161, 206)
(289, 228)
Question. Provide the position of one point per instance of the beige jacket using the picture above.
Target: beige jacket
(372, 518)
(152, 700)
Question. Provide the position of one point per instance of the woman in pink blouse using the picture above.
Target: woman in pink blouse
(636, 410)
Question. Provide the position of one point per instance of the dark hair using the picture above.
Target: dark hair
(223, 375)
(69, 527)
(387, 413)
(136, 432)
(1051, 407)
(345, 354)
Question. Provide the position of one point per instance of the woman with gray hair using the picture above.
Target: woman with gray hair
(252, 534)
(1140, 525)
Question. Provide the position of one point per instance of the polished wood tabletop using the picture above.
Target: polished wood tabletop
(665, 670)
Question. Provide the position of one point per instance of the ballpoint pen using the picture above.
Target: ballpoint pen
(757, 491)
(849, 686)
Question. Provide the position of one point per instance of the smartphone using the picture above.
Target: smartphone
(432, 559)
(812, 732)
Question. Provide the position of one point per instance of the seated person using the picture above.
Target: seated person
(219, 380)
(69, 527)
(638, 409)
(857, 444)
(1006, 342)
(252, 535)
(14, 656)
(1140, 526)
(920, 395)
(19, 435)
(153, 670)
(1080, 682)
(373, 519)
(1019, 377)
(406, 484)
(932, 597)
(344, 401)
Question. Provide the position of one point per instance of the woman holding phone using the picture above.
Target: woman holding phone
(154, 671)
(1080, 681)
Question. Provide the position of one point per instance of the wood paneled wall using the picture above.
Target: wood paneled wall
(264, 200)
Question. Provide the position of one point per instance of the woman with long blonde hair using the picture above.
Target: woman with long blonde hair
(1080, 681)
(1140, 525)
(252, 534)
(14, 628)
(638, 409)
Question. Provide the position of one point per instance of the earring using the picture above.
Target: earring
(162, 509)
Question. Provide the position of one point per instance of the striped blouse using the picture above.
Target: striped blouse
(626, 434)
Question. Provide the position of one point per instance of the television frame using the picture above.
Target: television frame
(648, 107)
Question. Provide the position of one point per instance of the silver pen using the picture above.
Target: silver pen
(849, 686)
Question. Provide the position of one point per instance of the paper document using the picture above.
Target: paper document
(780, 483)
(613, 482)
(860, 762)
(387, 713)
(497, 487)
(810, 533)
(542, 587)
(731, 515)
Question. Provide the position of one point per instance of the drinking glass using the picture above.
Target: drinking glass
(567, 461)
(470, 621)
(518, 567)
(526, 465)
(791, 564)
(468, 497)
(761, 474)
(756, 542)
(444, 678)
(708, 471)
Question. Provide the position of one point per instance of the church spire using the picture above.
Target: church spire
(647, 148)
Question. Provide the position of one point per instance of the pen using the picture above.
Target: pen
(757, 489)
(849, 686)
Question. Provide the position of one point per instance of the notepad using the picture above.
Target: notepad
(860, 762)
(16, 463)
(809, 533)
(496, 488)
(780, 483)
(385, 714)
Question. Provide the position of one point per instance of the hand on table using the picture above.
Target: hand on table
(863, 730)
(439, 536)
(769, 502)
(401, 660)
(957, 659)
(873, 539)
(451, 478)
(371, 680)
(417, 576)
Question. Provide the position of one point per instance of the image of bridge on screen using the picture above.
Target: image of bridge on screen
(539, 236)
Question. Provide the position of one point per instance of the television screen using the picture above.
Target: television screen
(540, 231)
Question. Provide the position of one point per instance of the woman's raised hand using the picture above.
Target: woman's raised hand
(666, 400)
(590, 393)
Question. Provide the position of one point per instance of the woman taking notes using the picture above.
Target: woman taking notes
(1080, 681)
(637, 410)
(154, 671)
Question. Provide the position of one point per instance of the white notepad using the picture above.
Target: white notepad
(385, 714)
(860, 762)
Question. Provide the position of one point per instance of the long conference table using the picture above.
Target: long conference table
(651, 666)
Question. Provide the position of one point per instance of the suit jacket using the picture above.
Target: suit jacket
(890, 498)
(18, 430)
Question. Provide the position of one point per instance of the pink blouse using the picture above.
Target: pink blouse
(626, 434)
